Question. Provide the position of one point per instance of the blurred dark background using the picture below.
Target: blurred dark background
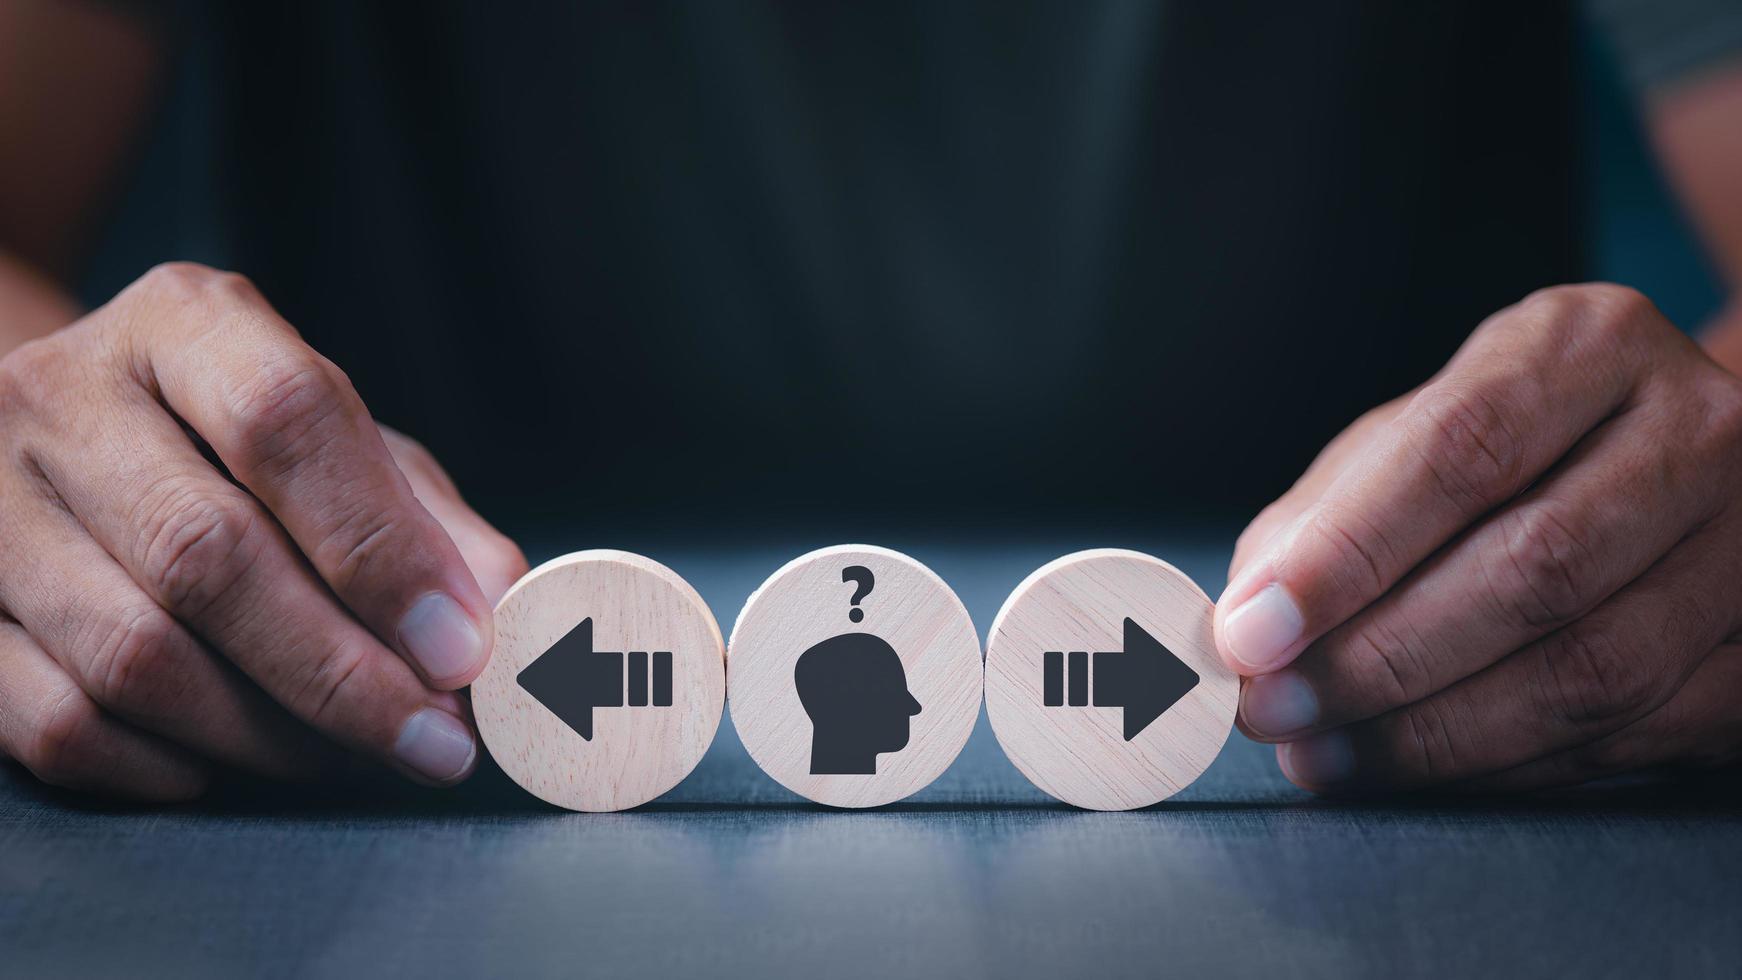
(745, 264)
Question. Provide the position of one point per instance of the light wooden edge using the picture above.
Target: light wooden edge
(1076, 556)
(1022, 589)
(639, 562)
(891, 553)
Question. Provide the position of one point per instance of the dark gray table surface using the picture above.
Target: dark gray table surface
(979, 875)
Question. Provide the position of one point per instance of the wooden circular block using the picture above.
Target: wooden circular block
(606, 683)
(1102, 680)
(854, 710)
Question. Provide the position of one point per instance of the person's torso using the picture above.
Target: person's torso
(915, 258)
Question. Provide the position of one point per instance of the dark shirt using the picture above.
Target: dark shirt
(947, 260)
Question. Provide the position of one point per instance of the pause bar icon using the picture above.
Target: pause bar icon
(571, 679)
(1053, 687)
(637, 674)
(1145, 679)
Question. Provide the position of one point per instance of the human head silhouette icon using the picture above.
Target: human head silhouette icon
(854, 689)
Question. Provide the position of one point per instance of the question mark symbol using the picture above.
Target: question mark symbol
(863, 576)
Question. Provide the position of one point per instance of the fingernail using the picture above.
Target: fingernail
(439, 635)
(1278, 704)
(1259, 632)
(437, 745)
(1325, 759)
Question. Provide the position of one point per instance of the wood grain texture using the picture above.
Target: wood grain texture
(1078, 753)
(805, 603)
(636, 753)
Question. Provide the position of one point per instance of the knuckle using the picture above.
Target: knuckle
(134, 659)
(1359, 551)
(320, 685)
(1599, 324)
(1600, 309)
(1428, 743)
(1549, 572)
(33, 375)
(177, 282)
(1613, 309)
(1687, 621)
(234, 285)
(197, 547)
(62, 750)
(1551, 314)
(177, 273)
(189, 282)
(1470, 447)
(358, 544)
(1386, 668)
(288, 399)
(1554, 299)
(1592, 680)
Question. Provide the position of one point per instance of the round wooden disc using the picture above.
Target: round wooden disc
(854, 713)
(602, 627)
(1063, 637)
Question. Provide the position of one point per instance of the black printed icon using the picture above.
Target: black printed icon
(854, 689)
(1145, 679)
(571, 679)
(865, 582)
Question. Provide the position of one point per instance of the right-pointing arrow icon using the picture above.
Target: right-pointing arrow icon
(1145, 679)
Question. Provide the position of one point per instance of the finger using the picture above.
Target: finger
(1698, 726)
(1598, 520)
(129, 655)
(209, 554)
(50, 727)
(1558, 364)
(288, 425)
(1319, 475)
(496, 562)
(1574, 686)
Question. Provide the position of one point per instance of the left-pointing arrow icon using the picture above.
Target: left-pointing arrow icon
(571, 679)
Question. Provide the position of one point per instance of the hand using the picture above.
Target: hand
(208, 553)
(1526, 573)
